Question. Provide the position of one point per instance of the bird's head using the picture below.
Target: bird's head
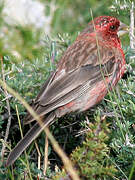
(107, 27)
(106, 24)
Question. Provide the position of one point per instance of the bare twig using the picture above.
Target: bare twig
(9, 111)
(132, 26)
(39, 157)
(46, 155)
(28, 167)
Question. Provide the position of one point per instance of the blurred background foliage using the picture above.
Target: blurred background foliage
(30, 53)
(25, 39)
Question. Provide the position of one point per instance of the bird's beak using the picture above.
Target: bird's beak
(123, 29)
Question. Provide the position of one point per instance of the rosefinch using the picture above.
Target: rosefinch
(90, 67)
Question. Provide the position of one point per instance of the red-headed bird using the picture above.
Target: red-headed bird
(90, 67)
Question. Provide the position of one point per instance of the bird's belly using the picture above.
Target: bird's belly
(90, 98)
(95, 95)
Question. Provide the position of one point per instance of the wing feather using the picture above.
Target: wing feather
(63, 88)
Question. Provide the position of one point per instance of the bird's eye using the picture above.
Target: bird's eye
(112, 27)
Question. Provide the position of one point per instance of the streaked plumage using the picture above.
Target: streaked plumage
(91, 66)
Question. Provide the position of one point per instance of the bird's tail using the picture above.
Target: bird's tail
(28, 138)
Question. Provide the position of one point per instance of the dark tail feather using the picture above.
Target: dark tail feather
(28, 138)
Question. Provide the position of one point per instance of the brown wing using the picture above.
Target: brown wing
(68, 83)
(83, 52)
(45, 86)
(68, 71)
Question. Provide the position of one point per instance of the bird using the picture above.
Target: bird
(90, 67)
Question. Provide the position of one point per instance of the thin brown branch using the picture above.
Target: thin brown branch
(46, 155)
(9, 111)
(132, 42)
(28, 167)
(39, 157)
